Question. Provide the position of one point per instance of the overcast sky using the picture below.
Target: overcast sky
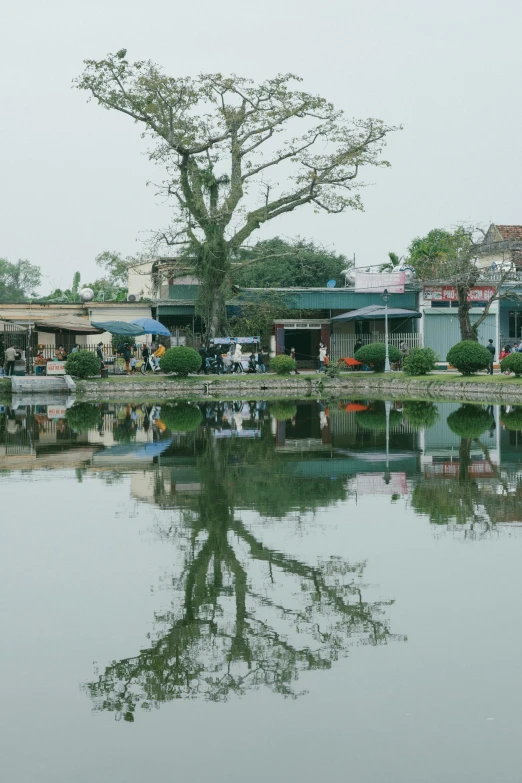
(73, 176)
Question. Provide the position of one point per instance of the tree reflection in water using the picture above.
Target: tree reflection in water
(243, 615)
(469, 499)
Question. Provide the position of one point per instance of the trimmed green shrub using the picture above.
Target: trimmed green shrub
(420, 361)
(513, 363)
(283, 410)
(421, 415)
(375, 418)
(470, 421)
(181, 417)
(375, 354)
(180, 360)
(83, 416)
(282, 364)
(513, 419)
(469, 357)
(82, 364)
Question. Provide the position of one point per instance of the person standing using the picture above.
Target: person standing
(99, 354)
(292, 356)
(358, 344)
(127, 356)
(261, 360)
(491, 348)
(322, 354)
(238, 355)
(203, 353)
(211, 355)
(10, 358)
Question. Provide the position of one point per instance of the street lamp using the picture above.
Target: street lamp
(385, 296)
(387, 476)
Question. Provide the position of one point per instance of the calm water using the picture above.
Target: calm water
(261, 592)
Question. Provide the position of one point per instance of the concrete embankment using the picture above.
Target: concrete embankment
(360, 386)
(363, 387)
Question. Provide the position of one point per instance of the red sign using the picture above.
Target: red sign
(448, 293)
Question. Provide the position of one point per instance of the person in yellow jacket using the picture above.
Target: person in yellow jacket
(158, 353)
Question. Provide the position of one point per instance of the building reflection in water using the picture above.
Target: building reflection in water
(244, 615)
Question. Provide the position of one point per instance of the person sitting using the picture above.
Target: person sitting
(60, 354)
(252, 364)
(158, 353)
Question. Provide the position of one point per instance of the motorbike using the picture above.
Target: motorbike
(148, 366)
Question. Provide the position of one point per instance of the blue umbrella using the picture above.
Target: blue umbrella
(119, 328)
(136, 450)
(150, 326)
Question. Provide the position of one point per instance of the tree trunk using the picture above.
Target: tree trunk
(213, 272)
(467, 330)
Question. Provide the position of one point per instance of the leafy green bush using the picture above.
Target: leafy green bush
(421, 415)
(180, 360)
(181, 417)
(119, 341)
(513, 419)
(420, 361)
(333, 371)
(470, 421)
(83, 416)
(469, 357)
(375, 354)
(513, 363)
(283, 410)
(282, 364)
(82, 364)
(375, 418)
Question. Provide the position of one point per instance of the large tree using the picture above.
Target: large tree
(19, 280)
(219, 138)
(444, 256)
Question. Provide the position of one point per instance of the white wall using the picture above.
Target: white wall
(139, 281)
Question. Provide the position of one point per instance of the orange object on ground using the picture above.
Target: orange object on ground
(351, 362)
(355, 406)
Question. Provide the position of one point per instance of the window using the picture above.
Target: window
(515, 324)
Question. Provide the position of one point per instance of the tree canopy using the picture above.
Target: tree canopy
(219, 139)
(19, 280)
(451, 257)
(280, 263)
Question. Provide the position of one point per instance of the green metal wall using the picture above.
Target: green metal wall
(331, 299)
(184, 292)
(441, 329)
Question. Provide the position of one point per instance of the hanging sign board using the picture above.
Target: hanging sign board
(448, 293)
(368, 283)
(56, 411)
(55, 368)
(241, 340)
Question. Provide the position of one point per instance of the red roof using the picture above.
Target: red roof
(509, 232)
